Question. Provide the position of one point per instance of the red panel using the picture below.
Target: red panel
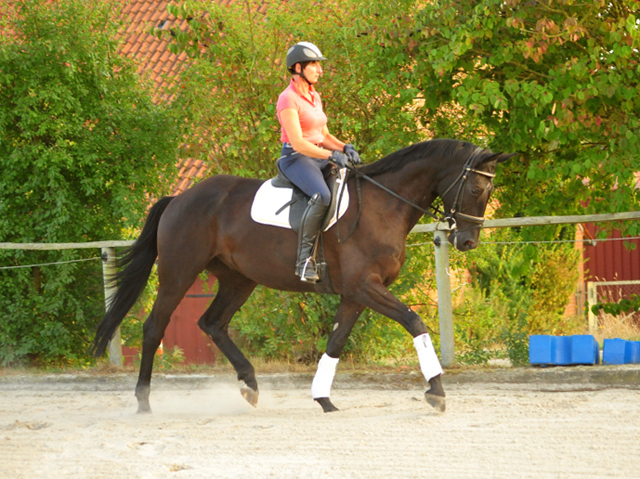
(610, 260)
(130, 355)
(183, 330)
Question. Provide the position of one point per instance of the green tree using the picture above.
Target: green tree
(82, 148)
(228, 94)
(557, 81)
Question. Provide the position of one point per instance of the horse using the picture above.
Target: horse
(208, 227)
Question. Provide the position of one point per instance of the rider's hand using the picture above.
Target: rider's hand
(339, 159)
(353, 155)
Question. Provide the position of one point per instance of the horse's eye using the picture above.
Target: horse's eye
(476, 191)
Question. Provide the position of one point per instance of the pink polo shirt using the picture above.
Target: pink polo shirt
(312, 118)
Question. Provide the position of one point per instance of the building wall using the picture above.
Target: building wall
(610, 260)
(183, 330)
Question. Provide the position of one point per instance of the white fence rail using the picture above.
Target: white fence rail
(58, 246)
(447, 349)
(541, 221)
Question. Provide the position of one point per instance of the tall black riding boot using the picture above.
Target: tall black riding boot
(309, 229)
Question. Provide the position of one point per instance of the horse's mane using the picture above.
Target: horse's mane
(445, 149)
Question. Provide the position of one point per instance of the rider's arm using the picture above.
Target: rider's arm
(330, 141)
(291, 124)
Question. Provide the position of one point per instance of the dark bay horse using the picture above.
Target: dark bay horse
(209, 227)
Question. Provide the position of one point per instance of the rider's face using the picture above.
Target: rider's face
(313, 71)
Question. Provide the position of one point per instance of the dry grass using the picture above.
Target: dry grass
(623, 326)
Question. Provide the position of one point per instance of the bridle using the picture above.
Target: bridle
(462, 179)
(441, 217)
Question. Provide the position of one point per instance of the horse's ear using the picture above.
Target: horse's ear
(497, 157)
(505, 156)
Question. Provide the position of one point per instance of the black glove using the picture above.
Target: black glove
(353, 155)
(339, 159)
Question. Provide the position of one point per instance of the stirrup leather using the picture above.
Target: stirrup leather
(308, 271)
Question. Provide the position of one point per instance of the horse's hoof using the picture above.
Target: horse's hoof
(250, 395)
(144, 408)
(438, 403)
(327, 405)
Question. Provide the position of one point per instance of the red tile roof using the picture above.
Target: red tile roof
(190, 170)
(151, 53)
(154, 59)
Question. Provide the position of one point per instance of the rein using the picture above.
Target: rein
(462, 179)
(393, 193)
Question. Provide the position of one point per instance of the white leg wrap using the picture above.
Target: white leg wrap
(429, 363)
(321, 386)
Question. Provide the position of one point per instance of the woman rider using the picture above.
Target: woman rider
(308, 148)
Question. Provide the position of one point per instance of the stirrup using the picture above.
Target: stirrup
(307, 271)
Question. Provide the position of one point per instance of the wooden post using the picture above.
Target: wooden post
(447, 348)
(592, 299)
(108, 270)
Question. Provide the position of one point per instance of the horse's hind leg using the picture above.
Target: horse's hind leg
(233, 291)
(346, 316)
(153, 332)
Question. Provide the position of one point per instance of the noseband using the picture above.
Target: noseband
(460, 181)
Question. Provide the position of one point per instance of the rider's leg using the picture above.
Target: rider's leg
(307, 174)
(309, 230)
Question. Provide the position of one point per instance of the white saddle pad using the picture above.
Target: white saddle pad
(269, 200)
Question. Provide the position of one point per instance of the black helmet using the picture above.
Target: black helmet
(303, 52)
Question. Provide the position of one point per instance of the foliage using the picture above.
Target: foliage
(228, 95)
(82, 147)
(625, 305)
(537, 280)
(280, 325)
(515, 290)
(516, 340)
(552, 281)
(167, 360)
(478, 324)
(555, 81)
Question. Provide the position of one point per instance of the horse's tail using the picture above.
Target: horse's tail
(138, 261)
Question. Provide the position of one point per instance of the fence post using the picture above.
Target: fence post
(447, 348)
(108, 270)
(592, 299)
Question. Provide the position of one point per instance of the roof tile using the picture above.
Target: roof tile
(156, 61)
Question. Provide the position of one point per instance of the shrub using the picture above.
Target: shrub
(82, 146)
(517, 290)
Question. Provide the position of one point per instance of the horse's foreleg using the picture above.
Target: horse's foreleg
(346, 316)
(431, 370)
(377, 297)
(233, 291)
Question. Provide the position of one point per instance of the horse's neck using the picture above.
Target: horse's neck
(417, 183)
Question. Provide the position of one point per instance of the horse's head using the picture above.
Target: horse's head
(465, 193)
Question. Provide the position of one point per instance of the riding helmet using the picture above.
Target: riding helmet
(303, 52)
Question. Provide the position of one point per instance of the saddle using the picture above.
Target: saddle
(279, 202)
(299, 200)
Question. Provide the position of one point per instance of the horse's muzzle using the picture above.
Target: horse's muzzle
(465, 240)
